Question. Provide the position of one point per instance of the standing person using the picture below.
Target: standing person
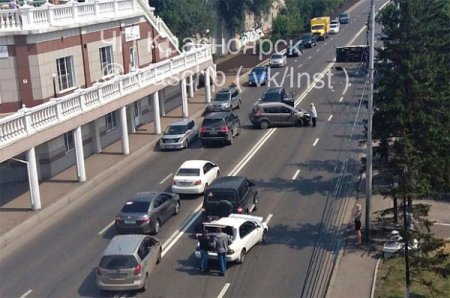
(204, 244)
(222, 240)
(313, 115)
(357, 219)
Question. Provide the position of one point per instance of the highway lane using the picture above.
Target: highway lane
(74, 245)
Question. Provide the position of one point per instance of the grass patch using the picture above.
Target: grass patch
(391, 281)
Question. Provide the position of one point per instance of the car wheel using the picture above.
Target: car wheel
(264, 124)
(157, 227)
(242, 256)
(158, 260)
(264, 236)
(205, 188)
(185, 144)
(177, 208)
(300, 123)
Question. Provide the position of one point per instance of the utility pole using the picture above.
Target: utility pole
(405, 222)
(369, 119)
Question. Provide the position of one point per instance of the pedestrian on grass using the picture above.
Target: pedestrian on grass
(357, 220)
(313, 115)
(204, 245)
(222, 240)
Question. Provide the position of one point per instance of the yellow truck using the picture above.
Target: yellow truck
(320, 27)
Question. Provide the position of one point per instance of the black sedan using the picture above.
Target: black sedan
(146, 211)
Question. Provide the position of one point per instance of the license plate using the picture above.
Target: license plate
(213, 132)
(129, 222)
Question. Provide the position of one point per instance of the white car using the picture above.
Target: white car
(194, 176)
(245, 232)
(334, 28)
(278, 60)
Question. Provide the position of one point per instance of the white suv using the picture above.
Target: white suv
(245, 231)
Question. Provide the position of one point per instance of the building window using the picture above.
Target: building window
(66, 75)
(106, 60)
(68, 142)
(111, 121)
(133, 58)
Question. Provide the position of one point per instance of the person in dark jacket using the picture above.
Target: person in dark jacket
(205, 244)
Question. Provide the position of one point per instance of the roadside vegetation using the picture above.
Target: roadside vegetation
(412, 126)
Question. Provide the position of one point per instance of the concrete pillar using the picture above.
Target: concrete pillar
(162, 108)
(184, 98)
(97, 140)
(156, 117)
(196, 81)
(207, 86)
(132, 118)
(191, 86)
(124, 128)
(79, 153)
(33, 179)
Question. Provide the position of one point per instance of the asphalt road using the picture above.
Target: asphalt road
(59, 260)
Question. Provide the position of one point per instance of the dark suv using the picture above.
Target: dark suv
(309, 40)
(229, 194)
(219, 127)
(278, 94)
(264, 115)
(225, 100)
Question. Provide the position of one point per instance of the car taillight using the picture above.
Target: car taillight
(202, 129)
(142, 220)
(174, 182)
(258, 112)
(97, 270)
(240, 210)
(230, 252)
(224, 129)
(198, 182)
(137, 269)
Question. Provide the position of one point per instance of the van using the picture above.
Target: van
(229, 194)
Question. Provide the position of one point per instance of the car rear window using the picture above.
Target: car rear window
(136, 207)
(213, 122)
(277, 56)
(176, 129)
(220, 195)
(118, 262)
(224, 96)
(188, 172)
(213, 230)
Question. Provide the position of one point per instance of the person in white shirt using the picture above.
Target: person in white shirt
(313, 115)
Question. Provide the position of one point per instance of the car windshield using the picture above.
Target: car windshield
(271, 96)
(135, 207)
(188, 172)
(277, 56)
(118, 262)
(334, 25)
(316, 27)
(307, 37)
(258, 71)
(220, 195)
(175, 130)
(212, 230)
(343, 15)
(222, 96)
(213, 122)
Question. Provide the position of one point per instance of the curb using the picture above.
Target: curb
(26, 227)
(374, 281)
(335, 269)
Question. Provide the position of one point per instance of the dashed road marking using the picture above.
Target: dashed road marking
(300, 65)
(315, 142)
(106, 228)
(26, 293)
(309, 57)
(224, 290)
(165, 179)
(331, 117)
(269, 217)
(318, 50)
(341, 99)
(295, 174)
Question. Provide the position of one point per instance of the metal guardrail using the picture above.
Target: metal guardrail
(28, 121)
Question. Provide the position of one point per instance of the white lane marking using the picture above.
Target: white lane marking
(224, 290)
(331, 117)
(177, 234)
(300, 65)
(315, 142)
(318, 50)
(331, 38)
(165, 179)
(295, 60)
(269, 217)
(442, 224)
(311, 86)
(26, 293)
(106, 228)
(295, 174)
(309, 57)
(349, 84)
(341, 99)
(325, 44)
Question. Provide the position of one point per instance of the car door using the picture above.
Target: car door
(235, 99)
(145, 255)
(167, 205)
(191, 131)
(153, 253)
(159, 209)
(207, 173)
(287, 116)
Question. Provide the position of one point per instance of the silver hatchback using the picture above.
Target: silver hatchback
(179, 135)
(127, 262)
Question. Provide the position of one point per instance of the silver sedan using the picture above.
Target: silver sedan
(179, 135)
